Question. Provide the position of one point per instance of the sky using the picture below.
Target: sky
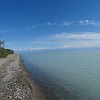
(50, 24)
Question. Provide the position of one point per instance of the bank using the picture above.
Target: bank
(15, 83)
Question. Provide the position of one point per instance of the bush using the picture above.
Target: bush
(4, 52)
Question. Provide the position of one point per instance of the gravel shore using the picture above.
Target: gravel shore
(15, 83)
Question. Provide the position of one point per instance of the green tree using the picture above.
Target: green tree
(4, 52)
(2, 43)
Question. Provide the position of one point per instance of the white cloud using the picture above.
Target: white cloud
(29, 49)
(30, 27)
(79, 40)
(65, 23)
(82, 44)
(71, 40)
(50, 24)
(66, 40)
(39, 25)
(79, 36)
(89, 22)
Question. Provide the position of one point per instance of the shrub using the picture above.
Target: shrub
(4, 52)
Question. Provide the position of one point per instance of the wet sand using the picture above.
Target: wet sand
(15, 83)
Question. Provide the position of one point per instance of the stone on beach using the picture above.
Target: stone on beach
(15, 83)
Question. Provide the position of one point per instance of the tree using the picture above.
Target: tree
(4, 52)
(2, 43)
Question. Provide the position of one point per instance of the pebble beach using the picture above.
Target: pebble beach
(15, 83)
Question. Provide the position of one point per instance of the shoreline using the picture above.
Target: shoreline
(31, 83)
(17, 84)
(37, 89)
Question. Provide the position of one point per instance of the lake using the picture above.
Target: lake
(70, 75)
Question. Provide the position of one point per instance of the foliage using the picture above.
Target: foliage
(2, 43)
(4, 52)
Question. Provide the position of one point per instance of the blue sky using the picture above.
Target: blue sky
(50, 24)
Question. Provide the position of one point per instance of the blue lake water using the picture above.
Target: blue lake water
(70, 75)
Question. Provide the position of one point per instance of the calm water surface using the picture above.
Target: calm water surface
(70, 75)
